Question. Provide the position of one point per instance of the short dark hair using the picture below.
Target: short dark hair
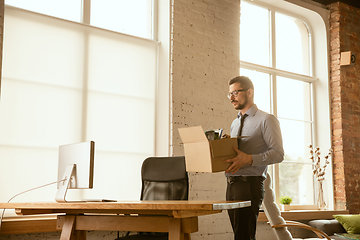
(244, 81)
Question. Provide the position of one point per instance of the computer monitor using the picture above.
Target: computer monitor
(75, 168)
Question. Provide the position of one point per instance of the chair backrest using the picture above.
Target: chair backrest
(164, 178)
(272, 211)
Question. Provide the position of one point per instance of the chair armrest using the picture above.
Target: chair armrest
(318, 232)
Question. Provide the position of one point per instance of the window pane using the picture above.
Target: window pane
(254, 34)
(130, 17)
(114, 63)
(66, 9)
(293, 99)
(296, 137)
(52, 41)
(38, 115)
(115, 82)
(296, 181)
(291, 45)
(24, 168)
(261, 83)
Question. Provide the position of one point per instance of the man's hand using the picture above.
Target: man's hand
(239, 161)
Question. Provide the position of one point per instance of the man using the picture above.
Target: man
(259, 146)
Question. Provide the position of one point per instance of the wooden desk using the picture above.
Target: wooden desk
(179, 218)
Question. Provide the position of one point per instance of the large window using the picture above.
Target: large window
(276, 53)
(65, 82)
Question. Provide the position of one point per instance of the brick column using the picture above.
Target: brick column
(345, 105)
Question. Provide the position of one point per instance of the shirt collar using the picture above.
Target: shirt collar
(250, 112)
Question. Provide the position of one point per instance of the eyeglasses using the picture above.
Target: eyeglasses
(235, 93)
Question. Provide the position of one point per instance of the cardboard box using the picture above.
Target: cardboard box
(202, 155)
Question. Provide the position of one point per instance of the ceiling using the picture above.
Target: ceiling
(354, 3)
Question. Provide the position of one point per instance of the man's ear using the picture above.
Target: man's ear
(250, 92)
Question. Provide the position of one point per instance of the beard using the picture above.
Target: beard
(241, 106)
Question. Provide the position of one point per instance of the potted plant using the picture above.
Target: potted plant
(285, 203)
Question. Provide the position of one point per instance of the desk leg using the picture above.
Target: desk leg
(175, 229)
(78, 235)
(68, 227)
(68, 231)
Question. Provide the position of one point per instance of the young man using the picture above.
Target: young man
(259, 145)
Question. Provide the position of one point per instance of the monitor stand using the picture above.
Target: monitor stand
(64, 185)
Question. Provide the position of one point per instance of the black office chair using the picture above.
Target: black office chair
(163, 178)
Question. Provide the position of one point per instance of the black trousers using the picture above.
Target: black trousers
(243, 220)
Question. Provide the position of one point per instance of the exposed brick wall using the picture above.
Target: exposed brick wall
(205, 55)
(345, 105)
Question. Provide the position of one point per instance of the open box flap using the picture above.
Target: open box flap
(197, 157)
(192, 134)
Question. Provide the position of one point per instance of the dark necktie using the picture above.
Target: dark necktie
(241, 127)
